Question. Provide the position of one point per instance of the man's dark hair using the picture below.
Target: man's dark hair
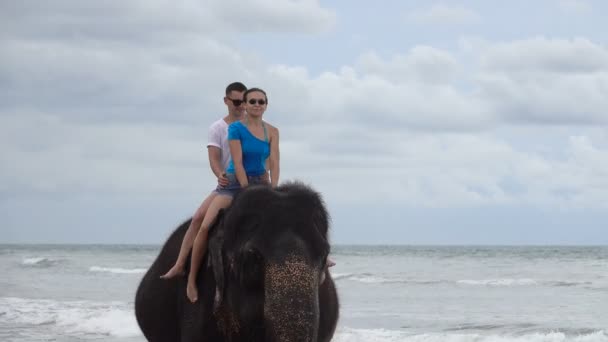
(235, 86)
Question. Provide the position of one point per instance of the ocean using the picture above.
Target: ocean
(387, 293)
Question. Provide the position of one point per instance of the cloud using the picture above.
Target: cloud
(138, 61)
(426, 140)
(546, 81)
(442, 14)
(100, 82)
(415, 169)
(88, 110)
(448, 170)
(161, 20)
(538, 81)
(574, 6)
(540, 54)
(276, 16)
(384, 95)
(43, 154)
(422, 63)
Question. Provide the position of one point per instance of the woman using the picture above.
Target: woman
(253, 142)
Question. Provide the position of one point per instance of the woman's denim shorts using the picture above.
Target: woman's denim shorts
(234, 186)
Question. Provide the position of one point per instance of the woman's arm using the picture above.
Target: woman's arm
(237, 158)
(274, 159)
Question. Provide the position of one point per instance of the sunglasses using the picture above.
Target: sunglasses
(261, 102)
(235, 102)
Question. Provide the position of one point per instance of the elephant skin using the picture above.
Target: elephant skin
(263, 278)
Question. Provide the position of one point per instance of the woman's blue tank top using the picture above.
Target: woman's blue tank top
(255, 151)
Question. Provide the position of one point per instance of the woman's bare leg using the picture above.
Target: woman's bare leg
(197, 219)
(200, 243)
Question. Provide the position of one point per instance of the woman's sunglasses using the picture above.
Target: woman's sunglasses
(261, 102)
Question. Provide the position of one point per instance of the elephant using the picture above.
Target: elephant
(264, 276)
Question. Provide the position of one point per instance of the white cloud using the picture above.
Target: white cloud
(101, 82)
(421, 64)
(537, 81)
(381, 94)
(275, 16)
(161, 20)
(138, 61)
(82, 114)
(350, 162)
(443, 14)
(574, 6)
(540, 54)
(546, 81)
(44, 154)
(447, 170)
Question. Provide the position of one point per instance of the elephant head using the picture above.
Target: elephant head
(268, 257)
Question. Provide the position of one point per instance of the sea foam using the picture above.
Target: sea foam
(39, 262)
(382, 335)
(117, 270)
(369, 278)
(499, 282)
(76, 318)
(116, 319)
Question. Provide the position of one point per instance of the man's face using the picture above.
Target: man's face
(235, 104)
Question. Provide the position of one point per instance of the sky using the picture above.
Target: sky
(419, 122)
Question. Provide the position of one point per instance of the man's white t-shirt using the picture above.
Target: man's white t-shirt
(218, 137)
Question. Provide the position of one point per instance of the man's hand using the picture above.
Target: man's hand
(222, 180)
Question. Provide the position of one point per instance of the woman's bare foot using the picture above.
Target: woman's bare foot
(192, 292)
(175, 271)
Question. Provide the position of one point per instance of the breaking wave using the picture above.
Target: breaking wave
(382, 335)
(117, 270)
(369, 278)
(89, 319)
(39, 262)
(76, 318)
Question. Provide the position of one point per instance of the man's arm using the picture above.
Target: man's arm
(215, 161)
(214, 152)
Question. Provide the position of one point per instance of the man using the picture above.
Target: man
(219, 158)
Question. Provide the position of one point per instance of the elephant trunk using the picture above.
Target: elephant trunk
(291, 305)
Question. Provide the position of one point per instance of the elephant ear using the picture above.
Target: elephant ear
(216, 242)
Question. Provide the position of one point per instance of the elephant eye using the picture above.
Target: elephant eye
(251, 270)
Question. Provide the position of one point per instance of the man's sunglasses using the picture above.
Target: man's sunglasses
(235, 102)
(261, 102)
